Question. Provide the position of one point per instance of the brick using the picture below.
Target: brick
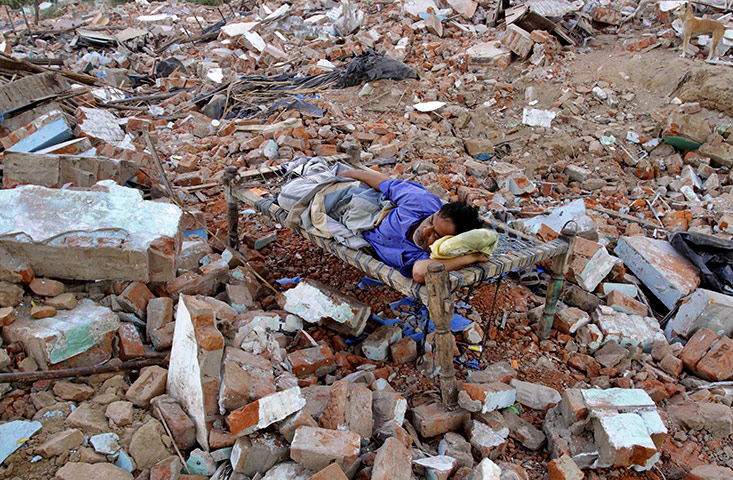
(569, 320)
(671, 365)
(131, 345)
(703, 309)
(325, 150)
(518, 40)
(61, 442)
(64, 301)
(299, 419)
(696, 348)
(258, 455)
(392, 462)
(623, 303)
(42, 311)
(135, 298)
(717, 364)
(316, 448)
(709, 472)
(77, 470)
(435, 419)
(159, 312)
(623, 440)
(82, 336)
(265, 411)
(220, 439)
(150, 384)
(376, 345)
(76, 392)
(668, 274)
(404, 351)
(486, 441)
(120, 413)
(7, 315)
(246, 378)
(317, 361)
(564, 468)
(46, 287)
(180, 424)
(607, 15)
(240, 297)
(439, 467)
(487, 397)
(162, 338)
(166, 469)
(331, 472)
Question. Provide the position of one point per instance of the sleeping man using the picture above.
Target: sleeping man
(403, 238)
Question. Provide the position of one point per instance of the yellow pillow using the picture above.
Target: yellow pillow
(480, 240)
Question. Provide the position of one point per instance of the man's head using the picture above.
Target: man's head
(452, 219)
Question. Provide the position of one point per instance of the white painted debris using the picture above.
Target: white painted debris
(14, 434)
(428, 106)
(535, 117)
(627, 329)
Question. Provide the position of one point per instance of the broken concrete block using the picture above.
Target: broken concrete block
(55, 171)
(534, 395)
(393, 462)
(623, 441)
(194, 371)
(627, 329)
(265, 411)
(486, 470)
(388, 407)
(564, 468)
(518, 40)
(669, 275)
(108, 233)
(487, 397)
(317, 361)
(376, 345)
(625, 304)
(87, 328)
(523, 431)
(704, 308)
(620, 399)
(487, 442)
(435, 419)
(150, 384)
(597, 267)
(130, 343)
(316, 448)
(315, 302)
(569, 320)
(257, 456)
(245, 378)
(489, 53)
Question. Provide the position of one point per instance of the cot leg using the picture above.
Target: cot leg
(440, 307)
(232, 207)
(559, 268)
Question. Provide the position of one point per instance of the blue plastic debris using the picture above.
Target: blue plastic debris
(483, 156)
(201, 232)
(463, 305)
(459, 323)
(473, 363)
(384, 321)
(285, 281)
(367, 282)
(407, 301)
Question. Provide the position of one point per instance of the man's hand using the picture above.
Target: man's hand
(456, 263)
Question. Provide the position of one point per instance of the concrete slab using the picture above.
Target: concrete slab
(616, 398)
(702, 309)
(627, 329)
(106, 234)
(54, 339)
(669, 275)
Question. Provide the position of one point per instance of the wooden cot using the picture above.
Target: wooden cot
(515, 251)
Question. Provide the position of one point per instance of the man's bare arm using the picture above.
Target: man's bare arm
(421, 266)
(370, 177)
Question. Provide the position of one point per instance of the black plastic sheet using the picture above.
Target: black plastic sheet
(711, 255)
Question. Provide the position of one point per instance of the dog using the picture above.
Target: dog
(697, 26)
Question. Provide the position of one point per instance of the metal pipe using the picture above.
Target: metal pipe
(559, 268)
(232, 207)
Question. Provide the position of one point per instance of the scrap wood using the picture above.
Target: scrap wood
(11, 63)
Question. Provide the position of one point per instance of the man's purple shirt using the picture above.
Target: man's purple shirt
(389, 239)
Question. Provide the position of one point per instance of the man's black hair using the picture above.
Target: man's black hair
(464, 217)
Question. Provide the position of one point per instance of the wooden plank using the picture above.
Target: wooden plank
(26, 90)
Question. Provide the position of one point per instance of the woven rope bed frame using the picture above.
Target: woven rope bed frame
(515, 251)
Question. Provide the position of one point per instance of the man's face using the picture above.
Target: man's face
(431, 229)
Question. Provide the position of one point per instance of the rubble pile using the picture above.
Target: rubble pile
(182, 359)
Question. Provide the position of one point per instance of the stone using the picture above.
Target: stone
(120, 413)
(158, 313)
(434, 419)
(194, 371)
(702, 309)
(668, 274)
(387, 407)
(625, 329)
(611, 354)
(376, 345)
(455, 446)
(10, 294)
(487, 397)
(623, 441)
(83, 471)
(147, 446)
(534, 395)
(570, 319)
(89, 418)
(564, 468)
(486, 470)
(76, 392)
(487, 442)
(105, 443)
(167, 469)
(46, 287)
(265, 411)
(714, 418)
(523, 431)
(150, 384)
(316, 448)
(710, 472)
(299, 419)
(623, 303)
(316, 361)
(393, 462)
(42, 311)
(717, 364)
(60, 443)
(87, 328)
(315, 302)
(331, 472)
(91, 235)
(671, 365)
(64, 301)
(182, 428)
